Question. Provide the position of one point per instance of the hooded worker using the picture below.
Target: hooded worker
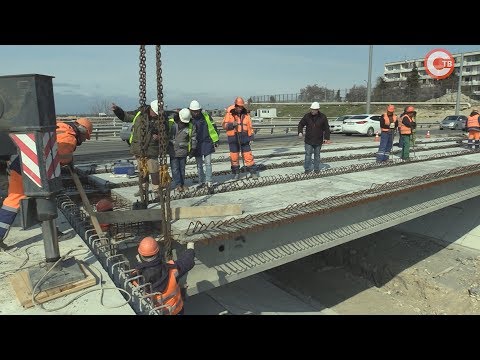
(164, 277)
(69, 136)
(238, 125)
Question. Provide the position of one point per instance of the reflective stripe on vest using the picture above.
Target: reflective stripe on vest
(387, 121)
(211, 130)
(133, 123)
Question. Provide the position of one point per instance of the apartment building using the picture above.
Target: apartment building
(397, 71)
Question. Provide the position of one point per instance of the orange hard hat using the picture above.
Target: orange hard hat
(87, 124)
(410, 109)
(239, 101)
(104, 205)
(148, 247)
(390, 108)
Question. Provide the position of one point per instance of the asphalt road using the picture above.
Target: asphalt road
(113, 148)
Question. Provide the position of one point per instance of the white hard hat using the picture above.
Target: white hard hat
(195, 105)
(154, 106)
(315, 105)
(185, 115)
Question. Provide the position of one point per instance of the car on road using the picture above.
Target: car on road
(365, 124)
(454, 122)
(337, 124)
(127, 126)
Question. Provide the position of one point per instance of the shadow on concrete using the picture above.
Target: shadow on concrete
(339, 273)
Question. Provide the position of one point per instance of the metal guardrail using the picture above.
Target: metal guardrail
(110, 130)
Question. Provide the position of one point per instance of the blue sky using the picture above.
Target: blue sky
(214, 75)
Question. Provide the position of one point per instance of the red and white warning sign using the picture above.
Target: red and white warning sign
(439, 63)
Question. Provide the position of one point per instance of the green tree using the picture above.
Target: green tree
(412, 88)
(380, 91)
(312, 93)
(357, 94)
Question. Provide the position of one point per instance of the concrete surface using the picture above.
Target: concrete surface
(254, 295)
(26, 250)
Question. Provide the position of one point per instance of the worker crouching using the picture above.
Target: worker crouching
(164, 277)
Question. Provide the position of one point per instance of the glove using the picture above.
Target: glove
(235, 124)
(413, 125)
(392, 125)
(190, 245)
(300, 135)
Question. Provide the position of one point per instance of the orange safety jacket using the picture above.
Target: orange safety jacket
(472, 123)
(67, 142)
(387, 121)
(170, 300)
(405, 130)
(244, 129)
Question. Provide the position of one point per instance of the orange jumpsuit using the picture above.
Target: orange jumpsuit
(239, 138)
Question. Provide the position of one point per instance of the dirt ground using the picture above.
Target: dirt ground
(388, 273)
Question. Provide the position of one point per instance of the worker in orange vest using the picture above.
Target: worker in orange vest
(238, 125)
(164, 276)
(406, 125)
(473, 128)
(388, 124)
(69, 136)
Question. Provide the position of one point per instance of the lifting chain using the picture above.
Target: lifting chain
(142, 161)
(165, 179)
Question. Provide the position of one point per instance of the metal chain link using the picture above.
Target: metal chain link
(142, 161)
(165, 179)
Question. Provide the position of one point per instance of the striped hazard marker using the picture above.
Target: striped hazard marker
(30, 158)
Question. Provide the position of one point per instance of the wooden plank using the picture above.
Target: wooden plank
(206, 211)
(128, 216)
(20, 282)
(86, 202)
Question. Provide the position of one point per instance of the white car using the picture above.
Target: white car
(337, 124)
(365, 124)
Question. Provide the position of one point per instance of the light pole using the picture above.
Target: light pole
(369, 84)
(459, 90)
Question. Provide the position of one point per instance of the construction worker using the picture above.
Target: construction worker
(148, 141)
(164, 277)
(473, 128)
(388, 124)
(69, 136)
(238, 125)
(183, 141)
(407, 124)
(207, 141)
(317, 132)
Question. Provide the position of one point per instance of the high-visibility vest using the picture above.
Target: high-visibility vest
(211, 130)
(472, 123)
(387, 121)
(133, 123)
(404, 130)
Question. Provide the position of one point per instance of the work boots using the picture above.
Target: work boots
(236, 172)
